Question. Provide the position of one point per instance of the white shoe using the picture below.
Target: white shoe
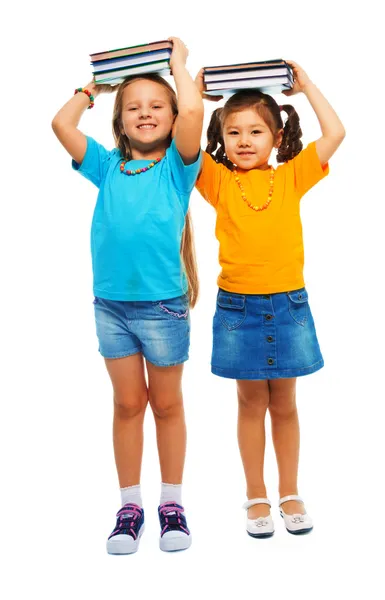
(261, 527)
(296, 523)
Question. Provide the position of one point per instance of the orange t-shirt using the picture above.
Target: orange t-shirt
(260, 252)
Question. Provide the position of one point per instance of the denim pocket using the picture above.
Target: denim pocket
(174, 308)
(299, 305)
(231, 309)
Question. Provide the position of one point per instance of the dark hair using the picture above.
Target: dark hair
(270, 112)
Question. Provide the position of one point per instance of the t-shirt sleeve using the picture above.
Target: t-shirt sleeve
(307, 169)
(95, 162)
(209, 180)
(183, 176)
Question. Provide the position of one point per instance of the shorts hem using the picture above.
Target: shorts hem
(170, 364)
(262, 375)
(122, 354)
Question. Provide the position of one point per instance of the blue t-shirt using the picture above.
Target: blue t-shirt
(137, 224)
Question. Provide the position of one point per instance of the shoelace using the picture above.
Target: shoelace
(127, 520)
(173, 517)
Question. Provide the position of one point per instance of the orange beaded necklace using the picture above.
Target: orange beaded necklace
(243, 194)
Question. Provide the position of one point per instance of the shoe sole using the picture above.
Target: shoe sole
(127, 546)
(260, 535)
(300, 531)
(175, 544)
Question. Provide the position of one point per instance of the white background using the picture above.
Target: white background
(60, 490)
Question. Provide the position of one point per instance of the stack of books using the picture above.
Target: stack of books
(270, 76)
(114, 65)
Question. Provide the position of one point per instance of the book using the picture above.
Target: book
(130, 50)
(246, 74)
(266, 63)
(268, 85)
(127, 61)
(117, 76)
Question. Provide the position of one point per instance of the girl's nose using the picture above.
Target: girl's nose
(244, 142)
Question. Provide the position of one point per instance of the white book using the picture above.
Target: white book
(256, 83)
(232, 75)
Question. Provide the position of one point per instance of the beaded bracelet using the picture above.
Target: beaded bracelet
(91, 97)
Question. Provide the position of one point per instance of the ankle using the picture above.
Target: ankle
(256, 492)
(288, 491)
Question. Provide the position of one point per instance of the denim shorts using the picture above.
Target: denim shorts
(270, 336)
(159, 330)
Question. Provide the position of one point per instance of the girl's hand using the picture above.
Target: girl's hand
(199, 82)
(102, 88)
(179, 52)
(301, 79)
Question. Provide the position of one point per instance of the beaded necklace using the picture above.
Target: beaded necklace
(137, 171)
(243, 194)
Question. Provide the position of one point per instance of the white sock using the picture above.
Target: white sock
(132, 495)
(171, 492)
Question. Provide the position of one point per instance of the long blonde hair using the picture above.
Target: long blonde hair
(122, 142)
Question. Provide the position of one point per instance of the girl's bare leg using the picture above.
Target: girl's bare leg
(253, 400)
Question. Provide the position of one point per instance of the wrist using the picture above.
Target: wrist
(308, 86)
(178, 67)
(86, 92)
(91, 87)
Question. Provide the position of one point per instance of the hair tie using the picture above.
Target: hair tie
(280, 107)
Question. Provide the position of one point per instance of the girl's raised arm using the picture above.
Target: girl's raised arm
(66, 121)
(333, 131)
(189, 122)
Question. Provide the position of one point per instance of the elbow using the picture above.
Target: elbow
(340, 134)
(336, 137)
(55, 124)
(343, 133)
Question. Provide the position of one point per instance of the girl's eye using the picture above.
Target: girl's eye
(132, 108)
(156, 107)
(233, 132)
(256, 131)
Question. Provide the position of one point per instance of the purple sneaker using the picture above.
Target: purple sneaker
(128, 530)
(174, 535)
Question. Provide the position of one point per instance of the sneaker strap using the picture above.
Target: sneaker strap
(255, 501)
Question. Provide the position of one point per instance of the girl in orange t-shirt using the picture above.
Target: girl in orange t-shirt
(263, 330)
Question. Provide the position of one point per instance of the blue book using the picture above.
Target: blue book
(129, 61)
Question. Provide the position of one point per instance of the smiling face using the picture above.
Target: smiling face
(147, 117)
(248, 139)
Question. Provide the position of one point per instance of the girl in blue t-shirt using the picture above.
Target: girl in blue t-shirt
(145, 276)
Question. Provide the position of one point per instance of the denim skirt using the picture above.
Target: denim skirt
(269, 336)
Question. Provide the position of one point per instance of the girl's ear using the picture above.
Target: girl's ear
(278, 139)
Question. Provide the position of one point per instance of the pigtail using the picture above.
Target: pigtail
(214, 138)
(291, 141)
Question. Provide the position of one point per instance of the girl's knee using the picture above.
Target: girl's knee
(166, 406)
(129, 406)
(253, 397)
(282, 398)
(282, 405)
